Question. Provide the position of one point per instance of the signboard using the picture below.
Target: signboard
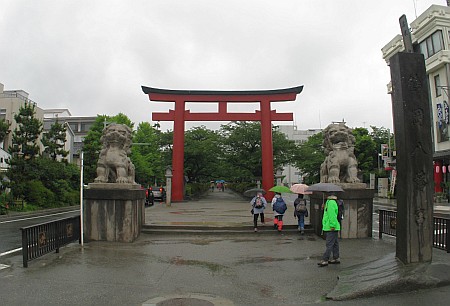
(393, 181)
(442, 122)
(384, 151)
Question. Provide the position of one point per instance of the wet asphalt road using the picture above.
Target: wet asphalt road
(245, 270)
(10, 234)
(263, 270)
(253, 269)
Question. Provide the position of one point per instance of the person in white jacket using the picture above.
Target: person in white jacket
(258, 203)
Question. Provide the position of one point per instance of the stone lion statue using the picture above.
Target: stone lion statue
(340, 165)
(114, 165)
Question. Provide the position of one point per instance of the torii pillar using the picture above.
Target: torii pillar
(180, 115)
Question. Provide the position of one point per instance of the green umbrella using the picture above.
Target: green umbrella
(280, 189)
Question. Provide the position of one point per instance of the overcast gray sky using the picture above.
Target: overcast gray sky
(93, 56)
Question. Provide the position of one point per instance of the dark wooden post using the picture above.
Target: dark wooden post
(412, 125)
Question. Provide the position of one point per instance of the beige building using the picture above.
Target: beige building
(76, 127)
(10, 103)
(430, 33)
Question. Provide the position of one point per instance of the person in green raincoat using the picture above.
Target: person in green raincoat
(331, 228)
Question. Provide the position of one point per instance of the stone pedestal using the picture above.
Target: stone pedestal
(358, 219)
(113, 212)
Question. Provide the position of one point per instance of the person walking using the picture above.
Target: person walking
(331, 228)
(279, 208)
(258, 203)
(300, 212)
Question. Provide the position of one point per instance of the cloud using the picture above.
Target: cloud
(93, 56)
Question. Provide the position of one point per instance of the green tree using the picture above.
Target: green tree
(25, 136)
(54, 141)
(24, 149)
(61, 179)
(365, 151)
(308, 158)
(92, 147)
(92, 144)
(146, 154)
(242, 149)
(4, 129)
(381, 136)
(203, 154)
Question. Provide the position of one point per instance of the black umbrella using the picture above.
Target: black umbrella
(252, 192)
(324, 187)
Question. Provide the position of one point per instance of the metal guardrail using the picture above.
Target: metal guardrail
(43, 238)
(441, 234)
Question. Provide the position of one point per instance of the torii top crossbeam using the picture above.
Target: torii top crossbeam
(180, 115)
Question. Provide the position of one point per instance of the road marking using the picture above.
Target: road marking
(9, 252)
(36, 217)
(2, 266)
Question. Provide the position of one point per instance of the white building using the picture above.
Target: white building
(292, 175)
(4, 157)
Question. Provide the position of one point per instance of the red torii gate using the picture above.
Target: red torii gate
(180, 115)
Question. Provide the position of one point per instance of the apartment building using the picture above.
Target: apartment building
(10, 103)
(77, 128)
(292, 175)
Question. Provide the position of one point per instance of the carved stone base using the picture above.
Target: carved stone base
(113, 214)
(357, 221)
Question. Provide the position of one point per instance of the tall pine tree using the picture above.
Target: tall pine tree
(54, 141)
(25, 136)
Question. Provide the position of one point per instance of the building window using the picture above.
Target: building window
(432, 44)
(73, 126)
(85, 127)
(437, 85)
(3, 113)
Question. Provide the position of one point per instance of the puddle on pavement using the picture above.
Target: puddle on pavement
(213, 267)
(202, 241)
(266, 291)
(259, 259)
(187, 212)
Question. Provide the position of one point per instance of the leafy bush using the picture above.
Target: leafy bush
(37, 194)
(196, 189)
(241, 187)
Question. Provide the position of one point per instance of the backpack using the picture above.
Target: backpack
(301, 206)
(341, 210)
(279, 206)
(258, 203)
